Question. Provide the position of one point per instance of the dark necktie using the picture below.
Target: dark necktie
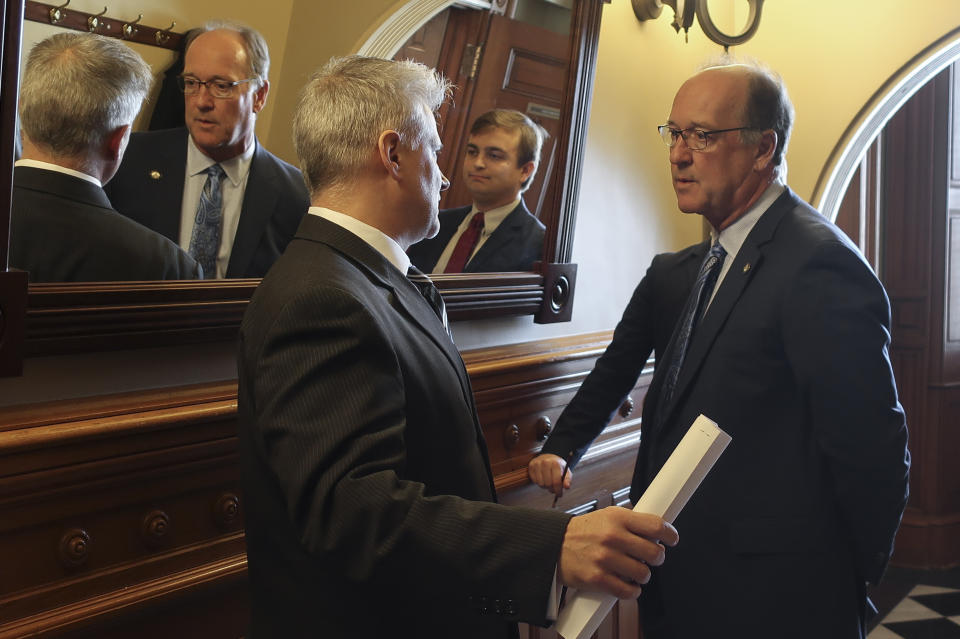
(692, 310)
(208, 223)
(465, 245)
(429, 293)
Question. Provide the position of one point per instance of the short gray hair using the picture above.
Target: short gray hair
(253, 43)
(77, 88)
(349, 102)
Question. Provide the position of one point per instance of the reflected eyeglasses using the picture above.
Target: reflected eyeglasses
(217, 88)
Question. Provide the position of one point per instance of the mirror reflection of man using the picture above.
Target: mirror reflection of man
(497, 232)
(79, 96)
(211, 187)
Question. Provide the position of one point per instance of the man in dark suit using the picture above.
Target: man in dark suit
(78, 98)
(369, 502)
(169, 178)
(497, 232)
(790, 357)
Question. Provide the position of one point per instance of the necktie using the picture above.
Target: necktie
(208, 223)
(692, 310)
(429, 293)
(465, 245)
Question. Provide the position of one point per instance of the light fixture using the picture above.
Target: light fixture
(684, 10)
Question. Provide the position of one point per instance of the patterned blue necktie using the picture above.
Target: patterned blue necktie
(208, 224)
(696, 302)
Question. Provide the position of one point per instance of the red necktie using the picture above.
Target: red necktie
(465, 245)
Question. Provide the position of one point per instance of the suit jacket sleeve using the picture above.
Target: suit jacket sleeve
(331, 392)
(612, 378)
(841, 363)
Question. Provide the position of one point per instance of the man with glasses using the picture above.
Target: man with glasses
(777, 329)
(79, 95)
(211, 187)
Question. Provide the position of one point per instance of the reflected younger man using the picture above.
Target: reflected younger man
(212, 187)
(370, 509)
(497, 232)
(790, 357)
(78, 98)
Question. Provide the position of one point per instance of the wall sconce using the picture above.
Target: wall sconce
(684, 10)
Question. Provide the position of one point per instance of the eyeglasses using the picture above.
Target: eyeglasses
(695, 139)
(218, 88)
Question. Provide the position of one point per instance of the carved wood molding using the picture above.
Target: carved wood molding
(74, 617)
(68, 318)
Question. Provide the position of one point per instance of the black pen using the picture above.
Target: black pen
(563, 476)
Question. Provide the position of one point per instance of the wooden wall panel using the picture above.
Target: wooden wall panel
(122, 516)
(918, 269)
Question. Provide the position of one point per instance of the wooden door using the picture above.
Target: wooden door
(519, 66)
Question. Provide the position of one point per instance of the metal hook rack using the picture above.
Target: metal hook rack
(129, 30)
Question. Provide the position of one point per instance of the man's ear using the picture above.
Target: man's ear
(260, 97)
(527, 170)
(115, 142)
(766, 149)
(388, 148)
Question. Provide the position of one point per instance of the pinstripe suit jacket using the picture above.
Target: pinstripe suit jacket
(369, 499)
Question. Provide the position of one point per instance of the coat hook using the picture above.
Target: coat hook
(164, 35)
(57, 13)
(93, 22)
(130, 29)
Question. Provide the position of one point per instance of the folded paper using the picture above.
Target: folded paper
(666, 496)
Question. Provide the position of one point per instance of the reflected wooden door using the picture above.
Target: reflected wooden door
(523, 67)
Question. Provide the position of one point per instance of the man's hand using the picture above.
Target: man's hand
(611, 551)
(546, 471)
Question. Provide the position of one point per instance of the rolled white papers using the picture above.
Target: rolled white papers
(666, 496)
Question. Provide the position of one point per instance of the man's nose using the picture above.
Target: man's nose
(680, 153)
(202, 97)
(444, 182)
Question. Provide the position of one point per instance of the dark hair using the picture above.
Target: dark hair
(768, 107)
(532, 135)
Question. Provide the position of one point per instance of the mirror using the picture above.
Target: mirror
(94, 316)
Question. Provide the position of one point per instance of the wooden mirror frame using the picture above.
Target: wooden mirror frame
(79, 317)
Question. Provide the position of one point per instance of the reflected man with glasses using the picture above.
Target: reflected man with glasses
(777, 329)
(211, 187)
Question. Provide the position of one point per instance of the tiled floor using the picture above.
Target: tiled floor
(917, 604)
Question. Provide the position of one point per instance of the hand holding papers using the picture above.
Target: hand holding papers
(666, 496)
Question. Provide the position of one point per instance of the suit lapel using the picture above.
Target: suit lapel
(685, 275)
(508, 230)
(167, 170)
(259, 201)
(385, 274)
(745, 266)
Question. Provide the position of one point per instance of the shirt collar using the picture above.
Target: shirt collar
(380, 241)
(236, 167)
(493, 217)
(733, 237)
(46, 166)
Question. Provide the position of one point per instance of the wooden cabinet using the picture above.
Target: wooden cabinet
(122, 516)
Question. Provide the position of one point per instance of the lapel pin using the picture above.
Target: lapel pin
(746, 267)
(155, 174)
